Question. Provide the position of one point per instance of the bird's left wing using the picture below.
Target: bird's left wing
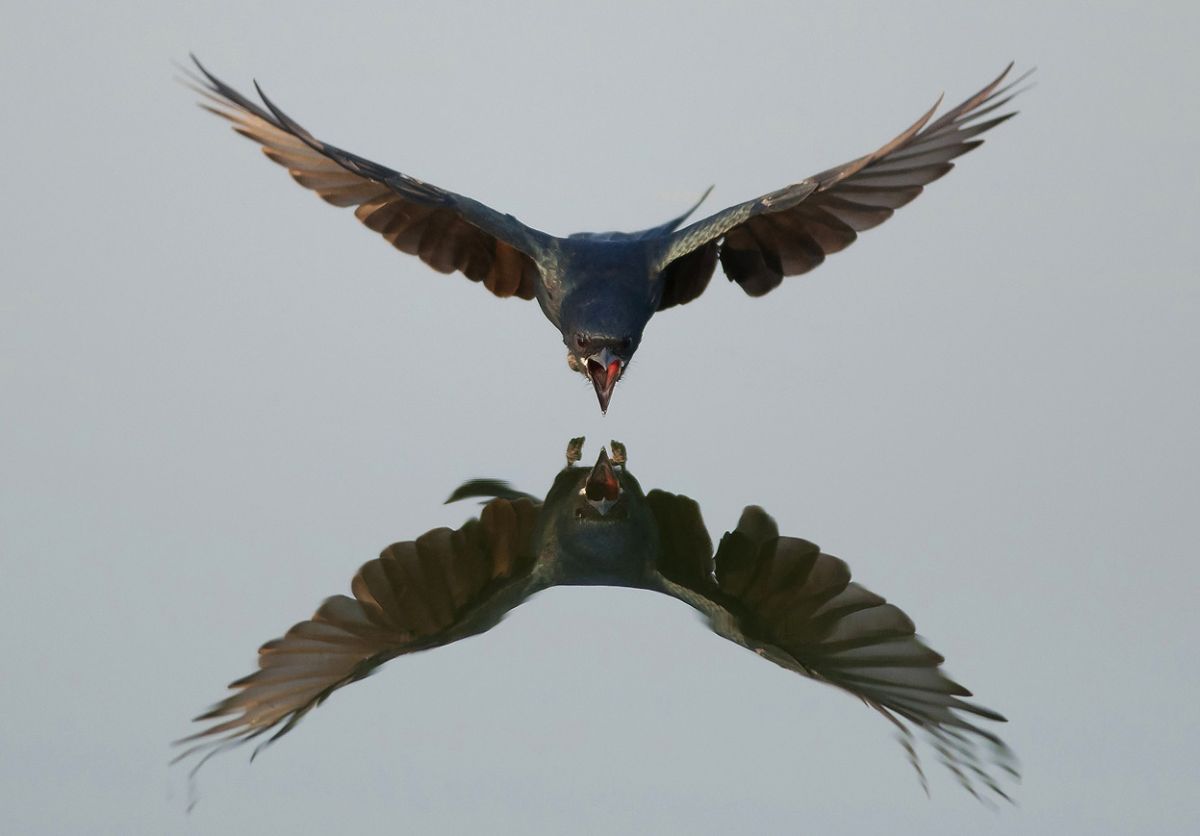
(444, 586)
(787, 601)
(447, 231)
(790, 231)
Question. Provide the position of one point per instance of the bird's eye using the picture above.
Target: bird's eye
(625, 345)
(579, 342)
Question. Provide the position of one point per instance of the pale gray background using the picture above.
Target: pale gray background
(220, 396)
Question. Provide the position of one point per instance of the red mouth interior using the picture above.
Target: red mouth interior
(602, 482)
(604, 377)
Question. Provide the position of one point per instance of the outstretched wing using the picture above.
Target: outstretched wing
(444, 586)
(447, 231)
(787, 601)
(790, 231)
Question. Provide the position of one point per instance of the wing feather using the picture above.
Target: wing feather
(790, 232)
(797, 606)
(444, 586)
(448, 232)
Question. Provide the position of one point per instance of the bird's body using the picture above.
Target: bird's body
(601, 289)
(779, 596)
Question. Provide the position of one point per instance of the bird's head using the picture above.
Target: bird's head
(601, 522)
(602, 322)
(602, 360)
(600, 494)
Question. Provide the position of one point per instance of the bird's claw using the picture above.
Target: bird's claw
(574, 450)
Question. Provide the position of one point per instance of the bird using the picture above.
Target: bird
(781, 597)
(601, 289)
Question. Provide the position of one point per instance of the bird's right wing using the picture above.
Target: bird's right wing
(787, 601)
(447, 231)
(444, 586)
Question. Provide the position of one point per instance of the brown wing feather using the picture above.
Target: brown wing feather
(442, 587)
(798, 607)
(789, 602)
(762, 241)
(685, 549)
(415, 217)
(686, 277)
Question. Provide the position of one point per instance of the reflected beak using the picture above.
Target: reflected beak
(604, 368)
(602, 488)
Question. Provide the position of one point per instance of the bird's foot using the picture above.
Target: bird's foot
(574, 451)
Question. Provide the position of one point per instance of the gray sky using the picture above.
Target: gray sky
(221, 396)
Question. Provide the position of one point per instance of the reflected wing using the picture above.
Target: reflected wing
(785, 600)
(447, 231)
(444, 586)
(790, 231)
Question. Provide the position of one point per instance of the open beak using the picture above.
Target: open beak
(604, 368)
(602, 488)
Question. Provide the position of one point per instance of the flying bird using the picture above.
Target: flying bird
(781, 597)
(600, 289)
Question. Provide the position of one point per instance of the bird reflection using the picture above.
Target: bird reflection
(778, 596)
(601, 289)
